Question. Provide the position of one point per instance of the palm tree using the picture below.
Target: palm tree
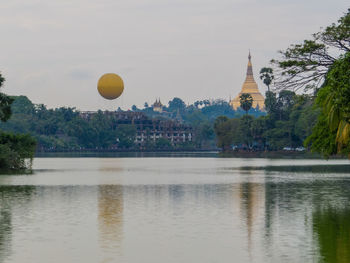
(246, 101)
(266, 75)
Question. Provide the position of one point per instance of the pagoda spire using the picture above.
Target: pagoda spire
(249, 69)
(249, 86)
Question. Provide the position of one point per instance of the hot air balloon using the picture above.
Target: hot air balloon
(110, 86)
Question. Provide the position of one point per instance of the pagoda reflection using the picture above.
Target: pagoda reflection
(110, 217)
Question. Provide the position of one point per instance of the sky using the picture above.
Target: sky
(54, 51)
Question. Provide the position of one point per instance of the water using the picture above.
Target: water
(176, 210)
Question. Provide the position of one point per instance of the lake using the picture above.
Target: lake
(174, 209)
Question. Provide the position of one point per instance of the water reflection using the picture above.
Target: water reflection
(110, 218)
(332, 231)
(10, 196)
(173, 210)
(5, 231)
(252, 207)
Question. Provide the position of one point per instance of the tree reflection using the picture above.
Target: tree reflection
(9, 197)
(5, 232)
(332, 227)
(317, 210)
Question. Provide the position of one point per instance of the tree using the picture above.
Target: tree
(163, 143)
(270, 102)
(206, 103)
(246, 101)
(216, 109)
(323, 64)
(176, 104)
(245, 130)
(225, 130)
(5, 103)
(219, 120)
(126, 135)
(306, 65)
(258, 129)
(285, 102)
(334, 101)
(15, 149)
(204, 134)
(266, 75)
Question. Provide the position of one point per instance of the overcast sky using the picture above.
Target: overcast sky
(55, 51)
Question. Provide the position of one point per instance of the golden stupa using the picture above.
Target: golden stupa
(250, 86)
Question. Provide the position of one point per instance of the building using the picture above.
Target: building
(153, 129)
(149, 130)
(158, 106)
(250, 86)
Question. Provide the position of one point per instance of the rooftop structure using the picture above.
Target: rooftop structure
(158, 106)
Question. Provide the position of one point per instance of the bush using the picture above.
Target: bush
(16, 151)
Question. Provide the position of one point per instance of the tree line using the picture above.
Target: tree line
(64, 129)
(16, 150)
(288, 123)
(321, 121)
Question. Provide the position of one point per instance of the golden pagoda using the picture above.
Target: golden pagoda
(158, 106)
(250, 86)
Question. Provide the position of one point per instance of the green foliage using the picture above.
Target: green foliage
(216, 109)
(322, 140)
(225, 130)
(64, 129)
(201, 110)
(176, 104)
(5, 107)
(331, 134)
(270, 102)
(266, 75)
(245, 131)
(163, 143)
(306, 65)
(5, 103)
(332, 228)
(204, 135)
(246, 101)
(288, 124)
(322, 63)
(16, 150)
(126, 135)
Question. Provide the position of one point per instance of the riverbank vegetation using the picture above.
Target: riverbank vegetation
(318, 119)
(16, 150)
(288, 123)
(65, 129)
(322, 64)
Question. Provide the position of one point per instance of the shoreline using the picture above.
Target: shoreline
(179, 153)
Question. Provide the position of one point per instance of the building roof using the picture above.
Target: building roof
(157, 103)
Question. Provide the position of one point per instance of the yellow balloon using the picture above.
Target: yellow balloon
(110, 86)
